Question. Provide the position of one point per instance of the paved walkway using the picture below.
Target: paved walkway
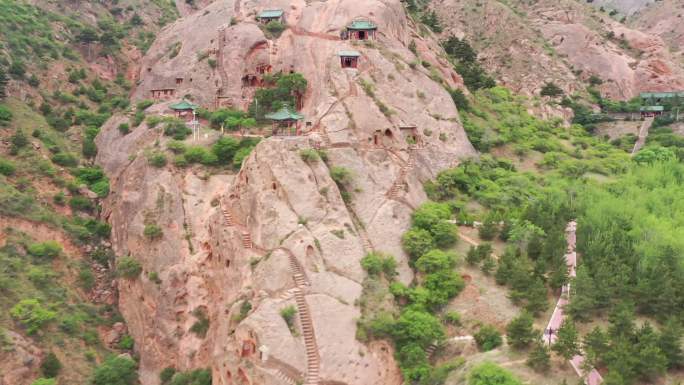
(643, 133)
(593, 377)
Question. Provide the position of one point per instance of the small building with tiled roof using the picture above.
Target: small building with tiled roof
(651, 111)
(360, 29)
(285, 121)
(184, 109)
(349, 58)
(270, 15)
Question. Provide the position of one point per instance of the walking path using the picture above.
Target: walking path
(643, 133)
(593, 377)
(302, 283)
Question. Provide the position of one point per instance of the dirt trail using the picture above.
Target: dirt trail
(643, 133)
(592, 377)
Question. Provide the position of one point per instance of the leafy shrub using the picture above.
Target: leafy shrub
(65, 159)
(201, 326)
(488, 338)
(7, 167)
(309, 155)
(340, 175)
(275, 28)
(128, 267)
(435, 260)
(177, 129)
(86, 279)
(417, 242)
(225, 149)
(157, 159)
(240, 156)
(175, 146)
(452, 317)
(32, 315)
(166, 374)
(197, 154)
(375, 263)
(5, 114)
(195, 377)
(153, 232)
(81, 203)
(288, 314)
(551, 89)
(45, 250)
(124, 128)
(118, 370)
(489, 373)
(126, 342)
(144, 104)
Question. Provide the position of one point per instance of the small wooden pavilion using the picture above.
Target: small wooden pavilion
(349, 59)
(270, 15)
(651, 111)
(360, 29)
(184, 109)
(285, 122)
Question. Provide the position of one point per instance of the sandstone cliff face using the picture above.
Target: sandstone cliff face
(278, 233)
(565, 42)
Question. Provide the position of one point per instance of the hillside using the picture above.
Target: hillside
(566, 42)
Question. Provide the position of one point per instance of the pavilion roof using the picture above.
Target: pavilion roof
(271, 13)
(652, 109)
(284, 114)
(357, 25)
(184, 105)
(648, 95)
(349, 53)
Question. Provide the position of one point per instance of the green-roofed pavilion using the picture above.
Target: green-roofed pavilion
(184, 109)
(285, 121)
(183, 106)
(360, 29)
(270, 15)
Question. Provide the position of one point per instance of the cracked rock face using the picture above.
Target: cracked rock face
(278, 233)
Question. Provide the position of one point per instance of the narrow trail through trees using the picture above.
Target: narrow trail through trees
(592, 377)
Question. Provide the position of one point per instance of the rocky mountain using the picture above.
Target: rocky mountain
(527, 44)
(233, 240)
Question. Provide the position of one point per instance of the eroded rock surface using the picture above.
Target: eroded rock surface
(278, 233)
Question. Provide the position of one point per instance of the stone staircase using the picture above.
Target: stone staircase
(365, 241)
(247, 240)
(327, 143)
(399, 183)
(227, 217)
(312, 358)
(219, 60)
(431, 350)
(284, 377)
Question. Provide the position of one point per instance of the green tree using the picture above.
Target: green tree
(414, 326)
(652, 362)
(595, 345)
(551, 89)
(444, 233)
(489, 373)
(128, 267)
(115, 371)
(3, 84)
(32, 315)
(539, 358)
(194, 377)
(488, 338)
(436, 260)
(417, 242)
(50, 365)
(225, 149)
(520, 331)
(567, 345)
(671, 343)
